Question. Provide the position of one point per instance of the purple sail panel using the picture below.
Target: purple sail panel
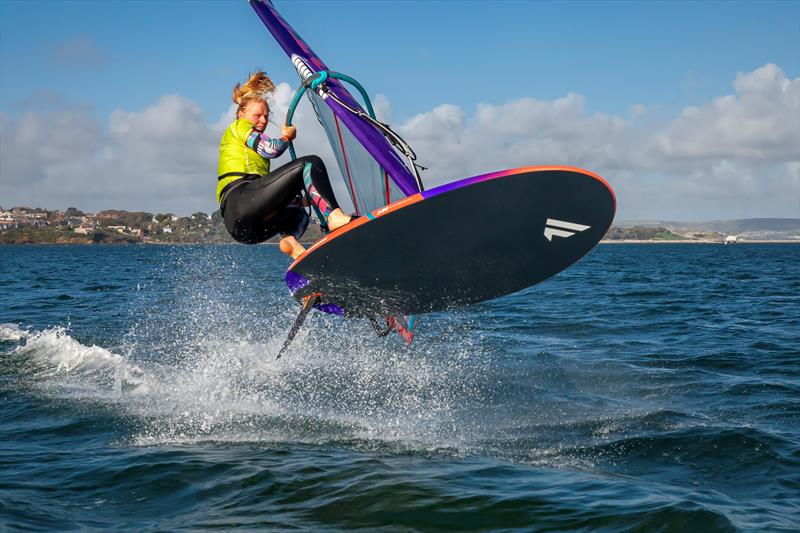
(371, 139)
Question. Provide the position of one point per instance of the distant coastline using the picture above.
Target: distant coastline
(689, 241)
(26, 225)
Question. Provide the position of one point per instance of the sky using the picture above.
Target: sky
(690, 110)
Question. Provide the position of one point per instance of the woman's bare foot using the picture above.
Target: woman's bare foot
(291, 247)
(337, 219)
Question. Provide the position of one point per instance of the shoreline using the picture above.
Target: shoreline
(145, 243)
(689, 241)
(309, 243)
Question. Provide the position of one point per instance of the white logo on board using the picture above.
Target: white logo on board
(561, 228)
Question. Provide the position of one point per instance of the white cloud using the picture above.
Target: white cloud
(36, 151)
(737, 156)
(382, 108)
(637, 110)
(523, 132)
(793, 169)
(725, 159)
(80, 51)
(225, 118)
(760, 121)
(160, 158)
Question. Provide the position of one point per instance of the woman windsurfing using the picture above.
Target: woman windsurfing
(256, 203)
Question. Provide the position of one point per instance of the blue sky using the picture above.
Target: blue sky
(643, 63)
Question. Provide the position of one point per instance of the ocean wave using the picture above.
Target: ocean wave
(12, 332)
(734, 459)
(53, 360)
(232, 389)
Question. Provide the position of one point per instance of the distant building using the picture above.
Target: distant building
(731, 239)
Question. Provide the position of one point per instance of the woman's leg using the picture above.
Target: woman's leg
(256, 210)
(318, 185)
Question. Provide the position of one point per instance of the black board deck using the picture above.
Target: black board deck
(458, 244)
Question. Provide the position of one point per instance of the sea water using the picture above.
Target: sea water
(648, 387)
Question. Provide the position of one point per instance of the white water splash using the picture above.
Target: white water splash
(198, 363)
(60, 363)
(349, 387)
(12, 332)
(61, 353)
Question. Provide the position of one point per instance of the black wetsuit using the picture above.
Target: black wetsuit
(257, 207)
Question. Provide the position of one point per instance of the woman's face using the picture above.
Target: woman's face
(255, 113)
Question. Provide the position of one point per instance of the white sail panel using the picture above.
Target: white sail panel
(369, 186)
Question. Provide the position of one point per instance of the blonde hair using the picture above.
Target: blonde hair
(256, 89)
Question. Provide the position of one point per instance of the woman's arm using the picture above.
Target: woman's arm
(266, 146)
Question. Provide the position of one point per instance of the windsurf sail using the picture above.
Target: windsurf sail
(373, 171)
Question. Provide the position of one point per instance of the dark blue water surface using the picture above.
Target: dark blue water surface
(648, 387)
